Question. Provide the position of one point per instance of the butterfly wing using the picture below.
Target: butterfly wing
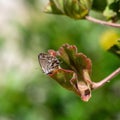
(48, 62)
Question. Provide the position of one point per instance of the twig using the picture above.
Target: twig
(107, 79)
(102, 22)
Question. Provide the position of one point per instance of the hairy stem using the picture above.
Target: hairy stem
(105, 80)
(102, 22)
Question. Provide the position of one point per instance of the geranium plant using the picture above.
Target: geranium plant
(73, 71)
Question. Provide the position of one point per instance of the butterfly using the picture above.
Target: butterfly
(48, 62)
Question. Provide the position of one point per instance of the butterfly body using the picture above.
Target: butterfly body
(48, 62)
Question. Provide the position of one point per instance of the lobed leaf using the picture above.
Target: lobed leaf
(74, 70)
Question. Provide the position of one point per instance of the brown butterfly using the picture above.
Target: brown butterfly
(48, 62)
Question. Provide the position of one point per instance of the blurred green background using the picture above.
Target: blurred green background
(26, 93)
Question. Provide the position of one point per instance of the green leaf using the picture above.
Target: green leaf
(63, 77)
(99, 5)
(76, 61)
(112, 10)
(115, 49)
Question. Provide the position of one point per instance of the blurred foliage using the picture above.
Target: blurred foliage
(79, 9)
(1, 41)
(35, 96)
(112, 10)
(99, 5)
(110, 40)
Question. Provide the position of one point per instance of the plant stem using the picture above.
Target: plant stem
(102, 22)
(107, 79)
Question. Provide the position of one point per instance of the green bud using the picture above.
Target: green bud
(54, 7)
(76, 9)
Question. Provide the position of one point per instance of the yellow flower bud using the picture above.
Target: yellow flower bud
(109, 39)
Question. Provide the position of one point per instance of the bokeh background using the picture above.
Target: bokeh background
(26, 93)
